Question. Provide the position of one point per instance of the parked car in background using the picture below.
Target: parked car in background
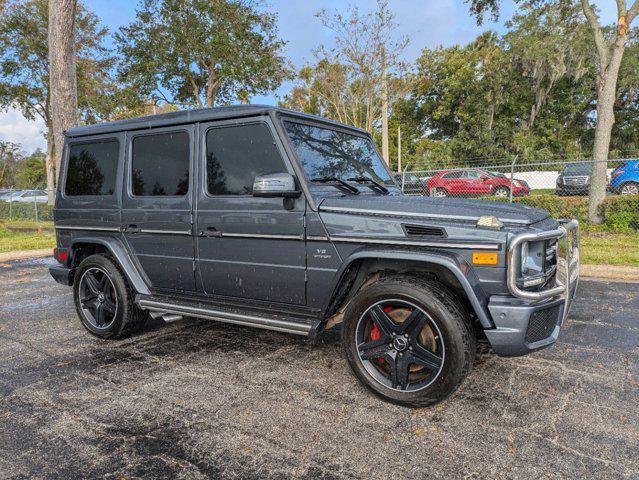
(5, 195)
(38, 196)
(411, 183)
(574, 179)
(625, 178)
(474, 182)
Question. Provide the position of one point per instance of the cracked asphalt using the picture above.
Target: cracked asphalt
(198, 399)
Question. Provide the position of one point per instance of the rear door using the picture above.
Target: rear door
(157, 205)
(248, 247)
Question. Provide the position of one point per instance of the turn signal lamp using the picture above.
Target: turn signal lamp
(488, 221)
(485, 258)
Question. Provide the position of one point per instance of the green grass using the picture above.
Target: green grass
(543, 191)
(10, 241)
(610, 249)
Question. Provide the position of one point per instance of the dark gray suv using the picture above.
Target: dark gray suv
(275, 219)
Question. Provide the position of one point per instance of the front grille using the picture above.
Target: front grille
(541, 324)
(576, 180)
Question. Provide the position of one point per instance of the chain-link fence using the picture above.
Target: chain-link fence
(560, 186)
(517, 179)
(25, 204)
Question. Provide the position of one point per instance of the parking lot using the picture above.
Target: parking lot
(197, 399)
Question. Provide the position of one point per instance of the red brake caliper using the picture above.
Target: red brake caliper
(375, 333)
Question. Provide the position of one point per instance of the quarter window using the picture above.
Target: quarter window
(92, 168)
(160, 164)
(236, 155)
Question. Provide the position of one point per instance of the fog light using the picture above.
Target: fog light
(485, 258)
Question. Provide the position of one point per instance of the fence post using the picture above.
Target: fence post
(403, 181)
(35, 205)
(10, 203)
(512, 174)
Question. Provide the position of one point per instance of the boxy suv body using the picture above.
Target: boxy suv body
(279, 220)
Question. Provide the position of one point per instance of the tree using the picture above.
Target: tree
(201, 52)
(31, 171)
(63, 90)
(365, 42)
(24, 67)
(10, 156)
(610, 50)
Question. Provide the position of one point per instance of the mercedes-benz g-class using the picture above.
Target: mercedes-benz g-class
(285, 221)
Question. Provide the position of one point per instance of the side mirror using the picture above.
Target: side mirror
(275, 185)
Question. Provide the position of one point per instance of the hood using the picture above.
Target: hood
(434, 208)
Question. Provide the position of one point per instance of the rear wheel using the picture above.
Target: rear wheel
(408, 340)
(439, 192)
(501, 192)
(630, 188)
(104, 299)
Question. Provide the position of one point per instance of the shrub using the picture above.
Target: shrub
(25, 211)
(620, 213)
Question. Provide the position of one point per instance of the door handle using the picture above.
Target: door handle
(132, 229)
(211, 232)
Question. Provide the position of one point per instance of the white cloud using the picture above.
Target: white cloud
(15, 128)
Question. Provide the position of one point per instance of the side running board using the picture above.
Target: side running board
(301, 327)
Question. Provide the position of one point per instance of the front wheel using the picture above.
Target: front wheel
(408, 340)
(630, 188)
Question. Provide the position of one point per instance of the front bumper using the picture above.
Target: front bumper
(62, 274)
(528, 321)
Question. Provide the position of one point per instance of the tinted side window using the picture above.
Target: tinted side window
(92, 168)
(457, 174)
(160, 164)
(236, 155)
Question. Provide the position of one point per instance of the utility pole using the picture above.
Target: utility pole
(385, 154)
(399, 149)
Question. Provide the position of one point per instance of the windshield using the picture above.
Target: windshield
(578, 168)
(324, 152)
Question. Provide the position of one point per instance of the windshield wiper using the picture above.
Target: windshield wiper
(371, 183)
(337, 183)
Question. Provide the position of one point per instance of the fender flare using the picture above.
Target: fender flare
(119, 253)
(470, 283)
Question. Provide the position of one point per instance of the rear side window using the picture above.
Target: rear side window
(160, 164)
(92, 168)
(236, 155)
(457, 174)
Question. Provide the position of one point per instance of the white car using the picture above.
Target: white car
(38, 196)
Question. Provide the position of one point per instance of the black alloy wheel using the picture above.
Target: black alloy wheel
(98, 298)
(399, 345)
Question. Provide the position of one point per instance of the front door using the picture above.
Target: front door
(247, 247)
(157, 205)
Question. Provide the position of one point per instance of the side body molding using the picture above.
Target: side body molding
(470, 283)
(122, 257)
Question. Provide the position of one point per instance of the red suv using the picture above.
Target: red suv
(473, 182)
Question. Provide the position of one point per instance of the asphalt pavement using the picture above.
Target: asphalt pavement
(199, 399)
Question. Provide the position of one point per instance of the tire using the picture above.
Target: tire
(446, 327)
(112, 314)
(439, 192)
(629, 188)
(501, 192)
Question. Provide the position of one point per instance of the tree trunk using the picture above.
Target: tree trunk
(62, 73)
(385, 153)
(606, 95)
(49, 163)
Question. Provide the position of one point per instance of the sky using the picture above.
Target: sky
(427, 23)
